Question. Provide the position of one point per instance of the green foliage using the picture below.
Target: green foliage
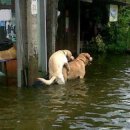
(100, 43)
(117, 38)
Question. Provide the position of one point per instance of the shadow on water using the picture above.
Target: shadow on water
(100, 101)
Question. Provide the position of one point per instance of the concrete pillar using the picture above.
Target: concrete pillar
(42, 36)
(33, 44)
(21, 42)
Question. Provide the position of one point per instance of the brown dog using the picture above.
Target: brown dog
(77, 67)
(8, 54)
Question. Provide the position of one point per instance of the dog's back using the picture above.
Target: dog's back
(77, 67)
(56, 62)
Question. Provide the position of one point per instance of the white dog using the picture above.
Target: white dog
(57, 61)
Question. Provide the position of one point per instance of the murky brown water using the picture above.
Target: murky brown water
(99, 102)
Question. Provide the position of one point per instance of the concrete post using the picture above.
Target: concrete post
(32, 32)
(21, 43)
(42, 36)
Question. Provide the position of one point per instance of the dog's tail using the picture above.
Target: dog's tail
(47, 82)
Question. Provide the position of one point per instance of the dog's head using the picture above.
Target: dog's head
(68, 55)
(85, 57)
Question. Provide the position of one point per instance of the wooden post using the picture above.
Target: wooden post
(32, 31)
(21, 43)
(52, 8)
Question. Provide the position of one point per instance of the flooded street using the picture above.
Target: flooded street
(101, 101)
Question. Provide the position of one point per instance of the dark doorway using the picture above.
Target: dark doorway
(67, 25)
(93, 17)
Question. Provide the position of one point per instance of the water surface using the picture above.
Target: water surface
(101, 101)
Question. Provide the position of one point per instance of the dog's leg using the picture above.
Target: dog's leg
(60, 79)
(82, 76)
(67, 66)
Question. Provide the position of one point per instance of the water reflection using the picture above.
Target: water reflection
(101, 101)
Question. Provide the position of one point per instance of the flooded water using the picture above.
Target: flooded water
(101, 101)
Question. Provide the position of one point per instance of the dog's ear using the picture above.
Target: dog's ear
(87, 55)
(69, 55)
(70, 58)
